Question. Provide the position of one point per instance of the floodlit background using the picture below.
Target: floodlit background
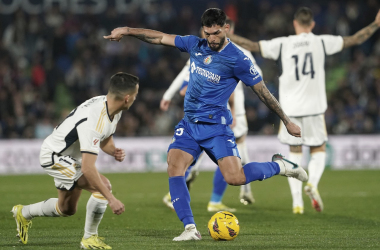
(53, 57)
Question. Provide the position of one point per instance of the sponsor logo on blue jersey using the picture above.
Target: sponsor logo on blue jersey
(211, 77)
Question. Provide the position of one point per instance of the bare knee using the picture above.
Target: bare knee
(235, 180)
(68, 210)
(175, 169)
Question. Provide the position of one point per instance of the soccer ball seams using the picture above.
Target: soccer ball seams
(216, 226)
(223, 226)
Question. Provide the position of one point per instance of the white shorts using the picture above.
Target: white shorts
(313, 131)
(65, 169)
(241, 127)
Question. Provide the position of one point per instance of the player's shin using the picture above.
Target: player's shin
(245, 196)
(96, 206)
(294, 184)
(181, 199)
(260, 171)
(219, 187)
(316, 167)
(47, 208)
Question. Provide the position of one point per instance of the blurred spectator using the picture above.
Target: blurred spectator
(50, 63)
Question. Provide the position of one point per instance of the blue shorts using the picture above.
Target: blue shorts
(217, 140)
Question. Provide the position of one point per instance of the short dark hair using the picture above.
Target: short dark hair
(304, 16)
(122, 83)
(213, 16)
(230, 22)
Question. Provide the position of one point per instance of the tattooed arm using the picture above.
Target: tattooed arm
(245, 43)
(271, 102)
(146, 35)
(362, 35)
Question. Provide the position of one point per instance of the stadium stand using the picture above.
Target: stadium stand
(53, 61)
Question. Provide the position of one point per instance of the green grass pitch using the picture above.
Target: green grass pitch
(351, 219)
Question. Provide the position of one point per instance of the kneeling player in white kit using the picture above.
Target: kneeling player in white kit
(302, 92)
(240, 129)
(69, 155)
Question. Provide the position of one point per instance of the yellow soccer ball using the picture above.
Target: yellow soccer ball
(223, 226)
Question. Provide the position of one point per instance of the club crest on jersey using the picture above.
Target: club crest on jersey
(95, 141)
(207, 60)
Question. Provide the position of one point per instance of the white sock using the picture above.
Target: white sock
(96, 206)
(47, 208)
(215, 202)
(190, 225)
(243, 151)
(294, 184)
(316, 167)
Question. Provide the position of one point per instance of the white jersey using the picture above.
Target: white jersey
(301, 57)
(239, 90)
(82, 131)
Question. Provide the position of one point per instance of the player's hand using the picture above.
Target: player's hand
(293, 129)
(164, 105)
(377, 19)
(116, 206)
(119, 154)
(117, 34)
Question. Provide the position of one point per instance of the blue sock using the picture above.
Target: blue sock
(181, 199)
(260, 171)
(219, 188)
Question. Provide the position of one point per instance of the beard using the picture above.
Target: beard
(217, 46)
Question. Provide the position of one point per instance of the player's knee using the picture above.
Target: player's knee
(235, 180)
(175, 169)
(68, 211)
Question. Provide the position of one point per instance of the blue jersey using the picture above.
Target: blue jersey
(213, 77)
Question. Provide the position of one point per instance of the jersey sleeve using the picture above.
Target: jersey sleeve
(271, 49)
(332, 44)
(177, 83)
(246, 72)
(89, 137)
(185, 43)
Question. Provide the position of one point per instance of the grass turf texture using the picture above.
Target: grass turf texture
(351, 219)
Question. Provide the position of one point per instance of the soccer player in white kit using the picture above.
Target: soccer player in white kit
(69, 155)
(240, 128)
(302, 92)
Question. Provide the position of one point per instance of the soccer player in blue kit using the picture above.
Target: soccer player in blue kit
(216, 66)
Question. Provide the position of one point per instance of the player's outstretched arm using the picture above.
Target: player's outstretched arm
(92, 176)
(271, 102)
(146, 35)
(362, 35)
(245, 43)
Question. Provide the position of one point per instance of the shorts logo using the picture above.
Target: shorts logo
(253, 70)
(207, 60)
(95, 141)
(231, 141)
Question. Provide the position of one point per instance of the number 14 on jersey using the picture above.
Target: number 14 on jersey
(308, 60)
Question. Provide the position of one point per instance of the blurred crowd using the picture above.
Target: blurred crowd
(52, 62)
